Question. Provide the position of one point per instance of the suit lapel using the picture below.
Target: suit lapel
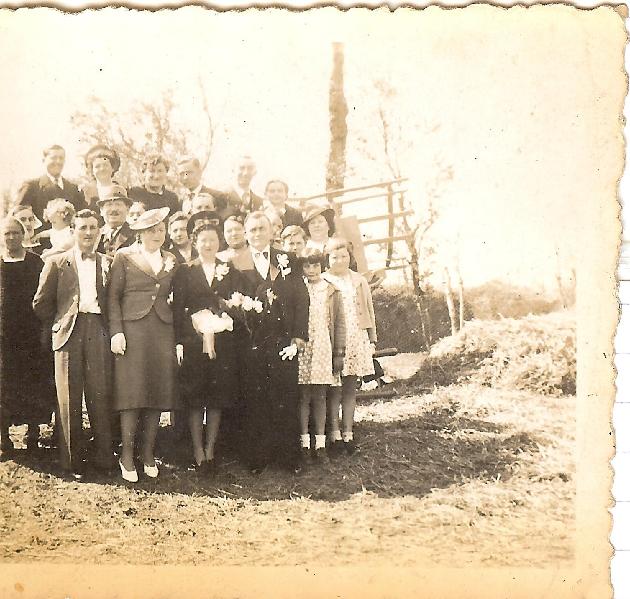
(100, 284)
(138, 260)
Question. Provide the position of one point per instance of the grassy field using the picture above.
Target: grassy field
(482, 473)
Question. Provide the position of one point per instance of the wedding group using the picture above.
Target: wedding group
(241, 316)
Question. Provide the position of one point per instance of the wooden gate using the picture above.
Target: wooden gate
(361, 209)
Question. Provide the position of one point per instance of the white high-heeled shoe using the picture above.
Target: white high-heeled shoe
(131, 476)
(151, 471)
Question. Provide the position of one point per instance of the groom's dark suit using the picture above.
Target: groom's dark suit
(80, 340)
(271, 393)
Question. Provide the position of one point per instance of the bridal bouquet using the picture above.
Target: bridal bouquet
(208, 324)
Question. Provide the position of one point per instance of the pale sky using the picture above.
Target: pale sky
(521, 104)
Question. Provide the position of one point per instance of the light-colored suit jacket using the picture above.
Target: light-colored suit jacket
(56, 301)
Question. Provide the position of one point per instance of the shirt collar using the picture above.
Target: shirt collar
(57, 181)
(265, 249)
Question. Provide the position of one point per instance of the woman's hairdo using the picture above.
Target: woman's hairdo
(203, 225)
(177, 216)
(101, 151)
(12, 219)
(234, 219)
(152, 161)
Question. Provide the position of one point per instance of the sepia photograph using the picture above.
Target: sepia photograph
(314, 303)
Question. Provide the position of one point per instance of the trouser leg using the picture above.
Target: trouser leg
(97, 388)
(69, 383)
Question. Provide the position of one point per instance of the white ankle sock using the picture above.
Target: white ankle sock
(335, 435)
(347, 437)
(320, 441)
(305, 441)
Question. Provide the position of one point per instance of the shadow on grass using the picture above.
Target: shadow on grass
(435, 450)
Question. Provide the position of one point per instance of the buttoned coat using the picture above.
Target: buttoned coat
(135, 289)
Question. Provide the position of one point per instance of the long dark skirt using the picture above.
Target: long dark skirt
(207, 383)
(144, 377)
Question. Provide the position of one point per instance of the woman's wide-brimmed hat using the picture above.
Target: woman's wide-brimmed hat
(150, 218)
(205, 216)
(101, 150)
(315, 209)
(115, 192)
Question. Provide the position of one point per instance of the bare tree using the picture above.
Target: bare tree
(389, 148)
(146, 128)
(338, 110)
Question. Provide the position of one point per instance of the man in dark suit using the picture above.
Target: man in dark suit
(241, 199)
(189, 171)
(72, 300)
(51, 185)
(116, 233)
(271, 377)
(276, 195)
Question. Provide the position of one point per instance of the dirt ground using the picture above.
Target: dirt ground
(482, 474)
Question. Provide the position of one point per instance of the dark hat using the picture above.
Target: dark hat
(312, 210)
(115, 192)
(105, 151)
(150, 218)
(205, 216)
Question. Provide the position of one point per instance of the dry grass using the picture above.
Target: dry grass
(479, 473)
(535, 353)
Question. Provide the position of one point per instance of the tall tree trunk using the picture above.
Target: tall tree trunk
(448, 292)
(338, 110)
(460, 296)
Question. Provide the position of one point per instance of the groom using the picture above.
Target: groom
(71, 299)
(271, 382)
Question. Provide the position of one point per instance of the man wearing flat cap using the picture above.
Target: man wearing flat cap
(51, 185)
(71, 299)
(116, 233)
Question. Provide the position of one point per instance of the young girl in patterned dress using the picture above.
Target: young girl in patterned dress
(321, 362)
(360, 340)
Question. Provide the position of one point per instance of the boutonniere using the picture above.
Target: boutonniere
(271, 296)
(104, 269)
(169, 264)
(169, 298)
(220, 271)
(283, 265)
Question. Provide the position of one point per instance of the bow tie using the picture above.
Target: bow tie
(264, 255)
(88, 255)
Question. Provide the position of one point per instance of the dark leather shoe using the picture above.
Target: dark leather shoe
(335, 449)
(350, 447)
(321, 456)
(306, 457)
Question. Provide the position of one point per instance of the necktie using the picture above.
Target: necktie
(88, 256)
(264, 255)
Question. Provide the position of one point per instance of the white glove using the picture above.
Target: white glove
(119, 344)
(179, 352)
(289, 352)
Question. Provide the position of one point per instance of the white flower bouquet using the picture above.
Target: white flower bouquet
(208, 324)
